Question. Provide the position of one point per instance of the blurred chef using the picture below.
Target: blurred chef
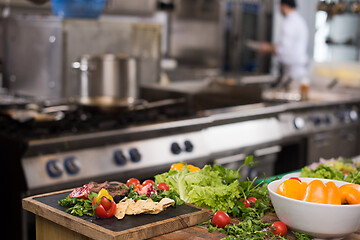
(291, 49)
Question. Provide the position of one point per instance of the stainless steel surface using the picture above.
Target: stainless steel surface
(331, 131)
(107, 77)
(133, 7)
(241, 21)
(230, 159)
(211, 93)
(193, 33)
(242, 134)
(33, 56)
(102, 161)
(57, 43)
(196, 144)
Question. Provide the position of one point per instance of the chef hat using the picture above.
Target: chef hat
(290, 3)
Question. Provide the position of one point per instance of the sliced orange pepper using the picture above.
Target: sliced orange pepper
(350, 193)
(292, 188)
(316, 192)
(192, 168)
(334, 195)
(177, 166)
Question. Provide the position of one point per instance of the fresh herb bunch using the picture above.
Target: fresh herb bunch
(251, 228)
(248, 229)
(156, 197)
(260, 208)
(77, 206)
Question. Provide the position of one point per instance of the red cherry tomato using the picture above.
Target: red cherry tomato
(163, 186)
(246, 202)
(132, 181)
(296, 178)
(220, 219)
(252, 200)
(105, 209)
(278, 228)
(146, 182)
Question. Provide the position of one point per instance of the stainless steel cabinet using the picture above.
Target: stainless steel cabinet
(329, 144)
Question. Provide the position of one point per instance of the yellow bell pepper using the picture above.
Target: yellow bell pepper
(104, 193)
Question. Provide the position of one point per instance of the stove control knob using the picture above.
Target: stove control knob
(175, 148)
(72, 165)
(316, 120)
(327, 120)
(299, 123)
(119, 158)
(135, 155)
(189, 147)
(353, 115)
(54, 168)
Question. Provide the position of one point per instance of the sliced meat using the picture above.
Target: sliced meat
(118, 191)
(96, 187)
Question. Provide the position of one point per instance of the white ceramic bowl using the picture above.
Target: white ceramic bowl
(314, 219)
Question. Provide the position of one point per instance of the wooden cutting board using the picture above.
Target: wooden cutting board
(141, 226)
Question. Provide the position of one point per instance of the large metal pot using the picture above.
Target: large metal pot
(108, 80)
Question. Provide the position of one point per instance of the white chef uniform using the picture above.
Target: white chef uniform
(291, 50)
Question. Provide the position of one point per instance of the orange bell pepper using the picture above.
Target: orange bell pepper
(334, 195)
(292, 189)
(350, 193)
(316, 192)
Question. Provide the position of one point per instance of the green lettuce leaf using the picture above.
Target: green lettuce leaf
(215, 188)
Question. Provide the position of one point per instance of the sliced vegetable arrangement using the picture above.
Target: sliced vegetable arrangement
(213, 187)
(98, 200)
(318, 192)
(219, 189)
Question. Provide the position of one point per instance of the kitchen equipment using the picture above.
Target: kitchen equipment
(108, 80)
(141, 226)
(56, 43)
(239, 22)
(91, 145)
(317, 220)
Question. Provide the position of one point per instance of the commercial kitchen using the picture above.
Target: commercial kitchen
(149, 83)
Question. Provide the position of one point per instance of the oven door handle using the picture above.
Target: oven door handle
(267, 151)
(230, 159)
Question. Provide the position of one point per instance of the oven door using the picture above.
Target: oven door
(264, 159)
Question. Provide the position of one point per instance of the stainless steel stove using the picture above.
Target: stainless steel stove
(89, 145)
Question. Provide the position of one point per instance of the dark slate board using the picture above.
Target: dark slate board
(129, 221)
